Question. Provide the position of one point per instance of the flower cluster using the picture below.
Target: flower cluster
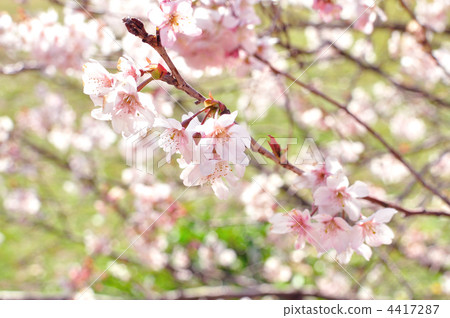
(54, 45)
(173, 17)
(212, 152)
(118, 96)
(211, 34)
(363, 13)
(335, 208)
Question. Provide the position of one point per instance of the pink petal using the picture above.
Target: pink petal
(337, 181)
(384, 215)
(365, 251)
(352, 209)
(323, 196)
(281, 223)
(220, 189)
(358, 190)
(168, 36)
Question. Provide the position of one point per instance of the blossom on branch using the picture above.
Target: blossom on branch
(226, 138)
(128, 109)
(337, 196)
(97, 81)
(296, 222)
(219, 174)
(172, 17)
(373, 230)
(121, 102)
(176, 138)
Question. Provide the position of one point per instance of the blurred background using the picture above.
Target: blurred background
(69, 204)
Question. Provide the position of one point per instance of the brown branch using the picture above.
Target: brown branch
(295, 52)
(375, 134)
(136, 27)
(406, 212)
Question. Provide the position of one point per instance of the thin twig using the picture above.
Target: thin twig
(406, 212)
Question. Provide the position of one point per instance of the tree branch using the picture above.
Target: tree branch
(136, 28)
(375, 134)
(406, 212)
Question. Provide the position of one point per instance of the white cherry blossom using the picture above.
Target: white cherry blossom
(337, 196)
(128, 109)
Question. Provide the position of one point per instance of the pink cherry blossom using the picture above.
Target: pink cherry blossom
(337, 196)
(373, 230)
(367, 11)
(296, 222)
(97, 81)
(331, 233)
(128, 109)
(177, 138)
(317, 176)
(128, 67)
(219, 174)
(226, 138)
(363, 250)
(259, 202)
(172, 17)
(328, 9)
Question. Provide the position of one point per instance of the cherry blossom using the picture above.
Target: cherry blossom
(57, 45)
(331, 233)
(328, 9)
(373, 229)
(219, 174)
(297, 222)
(173, 17)
(407, 126)
(226, 138)
(176, 138)
(227, 41)
(249, 52)
(415, 61)
(275, 271)
(316, 176)
(367, 11)
(388, 169)
(346, 150)
(433, 13)
(97, 82)
(337, 196)
(127, 67)
(128, 109)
